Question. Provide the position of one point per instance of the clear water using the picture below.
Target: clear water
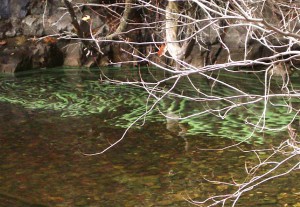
(48, 120)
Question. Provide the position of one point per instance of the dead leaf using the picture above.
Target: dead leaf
(162, 50)
(50, 40)
(3, 42)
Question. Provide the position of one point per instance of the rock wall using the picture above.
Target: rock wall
(30, 29)
(23, 23)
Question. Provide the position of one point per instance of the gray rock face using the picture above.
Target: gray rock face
(58, 23)
(15, 8)
(19, 8)
(4, 9)
(31, 19)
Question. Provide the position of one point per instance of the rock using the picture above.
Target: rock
(38, 55)
(11, 33)
(103, 61)
(54, 57)
(29, 20)
(98, 26)
(38, 7)
(23, 8)
(73, 53)
(90, 62)
(19, 54)
(4, 9)
(19, 8)
(15, 29)
(33, 26)
(121, 55)
(15, 60)
(4, 27)
(196, 59)
(281, 69)
(8, 68)
(235, 37)
(57, 23)
(47, 56)
(14, 8)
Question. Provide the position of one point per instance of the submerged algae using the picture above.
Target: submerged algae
(77, 93)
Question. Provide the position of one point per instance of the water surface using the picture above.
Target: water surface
(49, 119)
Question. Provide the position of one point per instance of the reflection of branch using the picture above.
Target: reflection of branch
(256, 178)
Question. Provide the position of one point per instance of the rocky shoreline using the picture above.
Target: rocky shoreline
(39, 34)
(30, 36)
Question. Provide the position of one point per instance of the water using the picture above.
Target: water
(49, 120)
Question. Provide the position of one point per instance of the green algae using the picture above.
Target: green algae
(73, 93)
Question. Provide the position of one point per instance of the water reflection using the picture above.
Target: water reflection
(158, 164)
(152, 167)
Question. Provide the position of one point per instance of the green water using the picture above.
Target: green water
(49, 119)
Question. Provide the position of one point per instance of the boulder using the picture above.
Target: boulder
(14, 8)
(33, 26)
(20, 54)
(19, 8)
(54, 57)
(46, 55)
(4, 9)
(73, 54)
(57, 23)
(5, 25)
(15, 60)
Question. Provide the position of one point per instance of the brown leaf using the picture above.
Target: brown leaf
(162, 50)
(50, 40)
(3, 42)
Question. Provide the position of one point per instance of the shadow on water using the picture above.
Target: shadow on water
(47, 120)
